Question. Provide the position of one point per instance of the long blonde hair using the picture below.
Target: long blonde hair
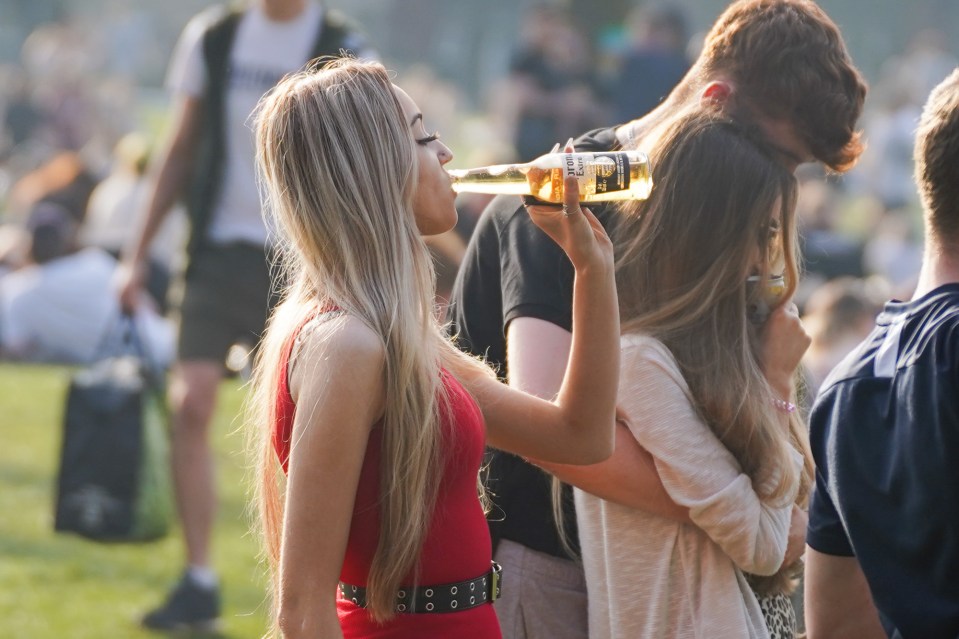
(338, 173)
(683, 259)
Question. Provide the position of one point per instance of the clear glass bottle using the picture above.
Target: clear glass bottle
(618, 175)
(770, 294)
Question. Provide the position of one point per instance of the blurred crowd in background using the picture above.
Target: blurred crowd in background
(81, 107)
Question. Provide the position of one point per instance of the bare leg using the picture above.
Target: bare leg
(193, 394)
(193, 604)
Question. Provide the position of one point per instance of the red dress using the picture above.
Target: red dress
(457, 545)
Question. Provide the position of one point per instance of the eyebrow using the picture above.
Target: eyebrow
(416, 118)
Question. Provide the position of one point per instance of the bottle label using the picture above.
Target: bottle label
(598, 173)
(611, 172)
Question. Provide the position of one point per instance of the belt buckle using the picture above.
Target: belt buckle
(497, 579)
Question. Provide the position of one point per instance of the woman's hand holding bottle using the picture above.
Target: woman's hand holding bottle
(784, 341)
(574, 228)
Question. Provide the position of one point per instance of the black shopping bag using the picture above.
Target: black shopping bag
(114, 477)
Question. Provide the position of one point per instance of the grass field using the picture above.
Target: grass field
(63, 587)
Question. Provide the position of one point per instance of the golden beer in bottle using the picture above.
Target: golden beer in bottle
(770, 294)
(616, 175)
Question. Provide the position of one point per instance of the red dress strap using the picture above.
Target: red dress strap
(285, 406)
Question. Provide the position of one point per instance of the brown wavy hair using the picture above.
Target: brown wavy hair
(683, 259)
(789, 59)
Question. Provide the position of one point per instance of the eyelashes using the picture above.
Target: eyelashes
(430, 138)
(770, 234)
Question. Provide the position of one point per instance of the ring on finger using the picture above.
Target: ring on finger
(566, 212)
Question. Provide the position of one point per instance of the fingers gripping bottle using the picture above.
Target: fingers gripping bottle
(619, 175)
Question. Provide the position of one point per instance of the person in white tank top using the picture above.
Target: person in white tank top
(224, 62)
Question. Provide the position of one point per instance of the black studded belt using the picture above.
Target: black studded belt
(444, 598)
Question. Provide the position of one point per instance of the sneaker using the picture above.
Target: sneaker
(189, 607)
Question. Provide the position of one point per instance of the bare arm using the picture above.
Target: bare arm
(578, 426)
(170, 175)
(537, 352)
(338, 388)
(629, 478)
(838, 601)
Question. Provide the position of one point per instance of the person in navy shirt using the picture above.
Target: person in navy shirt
(883, 537)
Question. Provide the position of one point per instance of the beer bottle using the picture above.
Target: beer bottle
(619, 175)
(770, 294)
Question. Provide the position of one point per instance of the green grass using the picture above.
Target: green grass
(64, 587)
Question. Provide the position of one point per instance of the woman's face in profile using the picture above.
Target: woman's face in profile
(433, 201)
(769, 238)
(769, 241)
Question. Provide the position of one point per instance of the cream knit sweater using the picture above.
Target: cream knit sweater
(649, 577)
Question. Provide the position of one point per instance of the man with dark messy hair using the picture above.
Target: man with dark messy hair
(777, 66)
(788, 63)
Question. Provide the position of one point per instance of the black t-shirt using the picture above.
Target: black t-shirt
(513, 269)
(885, 437)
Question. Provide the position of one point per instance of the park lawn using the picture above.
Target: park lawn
(60, 586)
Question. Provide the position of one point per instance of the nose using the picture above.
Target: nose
(444, 154)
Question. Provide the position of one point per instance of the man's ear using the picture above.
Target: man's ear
(716, 94)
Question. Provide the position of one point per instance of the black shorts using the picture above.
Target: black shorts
(227, 297)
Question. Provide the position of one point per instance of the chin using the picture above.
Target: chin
(436, 227)
(440, 223)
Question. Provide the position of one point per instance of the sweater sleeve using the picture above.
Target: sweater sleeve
(697, 471)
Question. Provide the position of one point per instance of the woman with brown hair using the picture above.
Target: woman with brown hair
(706, 386)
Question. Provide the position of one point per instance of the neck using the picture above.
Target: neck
(940, 266)
(643, 132)
(282, 10)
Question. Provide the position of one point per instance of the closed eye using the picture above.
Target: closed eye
(770, 233)
(430, 138)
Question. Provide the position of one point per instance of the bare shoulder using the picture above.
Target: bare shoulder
(338, 336)
(334, 351)
(338, 386)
